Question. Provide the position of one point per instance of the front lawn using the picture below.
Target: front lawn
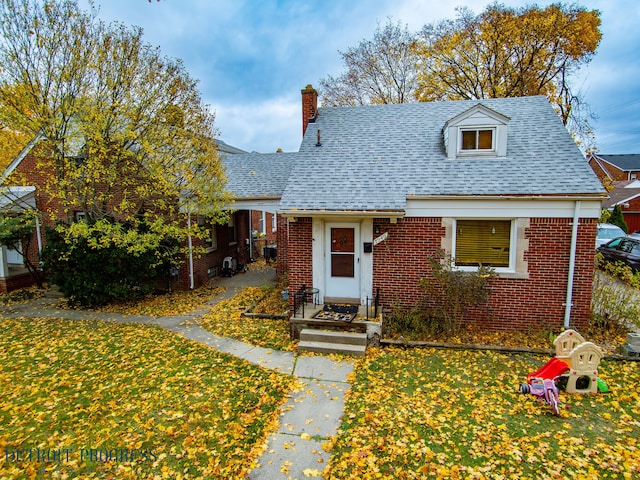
(166, 304)
(83, 399)
(426, 413)
(225, 319)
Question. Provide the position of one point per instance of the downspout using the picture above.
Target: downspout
(572, 264)
(190, 243)
(38, 235)
(250, 259)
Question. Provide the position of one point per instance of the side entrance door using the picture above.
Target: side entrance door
(342, 267)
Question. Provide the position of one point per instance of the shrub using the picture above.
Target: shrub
(614, 304)
(449, 294)
(91, 269)
(618, 270)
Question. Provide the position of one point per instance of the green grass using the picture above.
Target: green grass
(458, 414)
(181, 408)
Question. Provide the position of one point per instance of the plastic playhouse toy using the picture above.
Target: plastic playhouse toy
(576, 356)
(574, 369)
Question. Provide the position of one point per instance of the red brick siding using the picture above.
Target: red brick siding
(631, 214)
(16, 282)
(300, 255)
(599, 170)
(33, 171)
(400, 261)
(604, 169)
(535, 303)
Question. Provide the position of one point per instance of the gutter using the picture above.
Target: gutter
(342, 213)
(577, 197)
(572, 264)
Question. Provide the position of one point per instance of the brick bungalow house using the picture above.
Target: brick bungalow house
(226, 240)
(622, 172)
(615, 168)
(374, 190)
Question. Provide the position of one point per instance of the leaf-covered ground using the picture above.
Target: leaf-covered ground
(426, 413)
(22, 295)
(609, 340)
(226, 319)
(175, 303)
(183, 410)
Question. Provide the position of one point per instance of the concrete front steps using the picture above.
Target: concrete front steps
(325, 341)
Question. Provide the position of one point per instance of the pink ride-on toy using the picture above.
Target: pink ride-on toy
(545, 389)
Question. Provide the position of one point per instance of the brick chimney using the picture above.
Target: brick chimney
(309, 106)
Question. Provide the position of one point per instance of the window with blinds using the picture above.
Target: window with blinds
(483, 242)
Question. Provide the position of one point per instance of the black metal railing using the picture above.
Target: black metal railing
(375, 304)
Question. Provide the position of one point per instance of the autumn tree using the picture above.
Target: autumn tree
(617, 218)
(125, 137)
(508, 52)
(381, 70)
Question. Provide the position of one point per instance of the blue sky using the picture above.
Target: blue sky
(252, 57)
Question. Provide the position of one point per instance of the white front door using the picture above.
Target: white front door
(342, 267)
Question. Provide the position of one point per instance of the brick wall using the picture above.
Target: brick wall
(34, 171)
(516, 304)
(400, 261)
(299, 258)
(537, 303)
(604, 169)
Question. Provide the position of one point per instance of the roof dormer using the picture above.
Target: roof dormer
(478, 131)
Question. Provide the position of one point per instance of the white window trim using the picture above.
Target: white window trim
(485, 151)
(213, 238)
(513, 246)
(232, 225)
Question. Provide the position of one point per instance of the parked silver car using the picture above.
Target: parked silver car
(607, 232)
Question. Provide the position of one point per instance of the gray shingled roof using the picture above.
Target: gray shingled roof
(621, 193)
(623, 162)
(373, 157)
(255, 175)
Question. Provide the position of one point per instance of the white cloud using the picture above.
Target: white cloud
(253, 57)
(261, 126)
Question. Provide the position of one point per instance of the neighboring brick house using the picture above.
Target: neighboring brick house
(615, 168)
(627, 195)
(375, 190)
(226, 240)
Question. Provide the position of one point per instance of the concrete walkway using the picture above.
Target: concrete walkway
(311, 414)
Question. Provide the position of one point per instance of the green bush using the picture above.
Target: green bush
(618, 270)
(92, 270)
(614, 305)
(449, 294)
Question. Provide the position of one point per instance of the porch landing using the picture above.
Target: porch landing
(317, 334)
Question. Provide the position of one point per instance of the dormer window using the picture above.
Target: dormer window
(478, 131)
(477, 139)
